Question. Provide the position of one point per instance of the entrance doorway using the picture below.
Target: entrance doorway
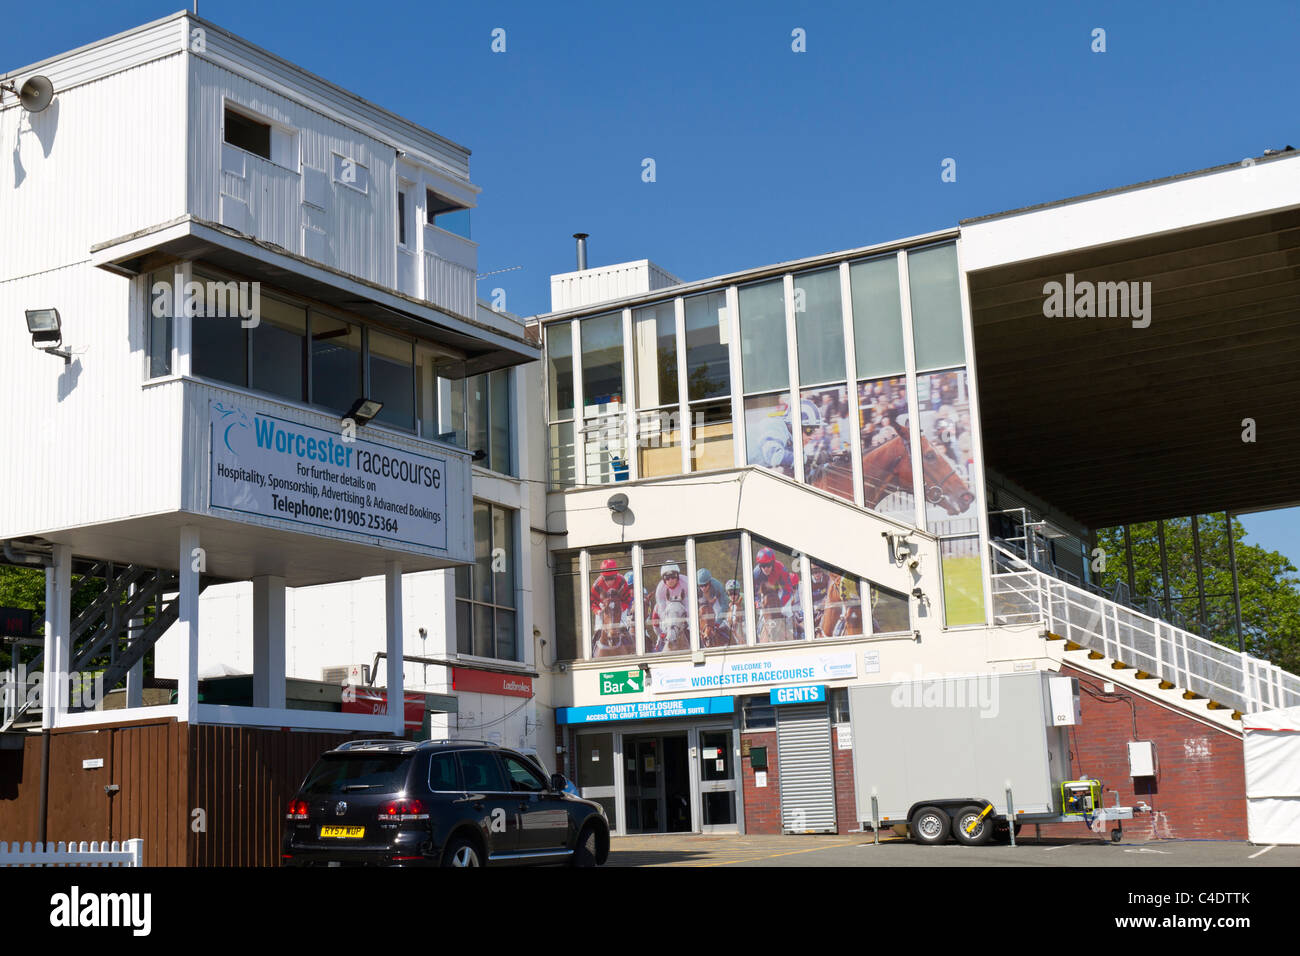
(656, 783)
(717, 780)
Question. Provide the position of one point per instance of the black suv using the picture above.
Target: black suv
(438, 803)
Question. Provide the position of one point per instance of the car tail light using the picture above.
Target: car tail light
(297, 810)
(398, 811)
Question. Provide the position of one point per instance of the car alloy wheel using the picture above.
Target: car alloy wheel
(465, 856)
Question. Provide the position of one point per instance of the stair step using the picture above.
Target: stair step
(1120, 666)
(1095, 655)
(1166, 685)
(1191, 695)
(1054, 637)
(1143, 675)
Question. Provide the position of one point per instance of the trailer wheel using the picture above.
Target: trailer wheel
(982, 833)
(930, 826)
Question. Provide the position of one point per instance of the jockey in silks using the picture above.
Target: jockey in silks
(736, 610)
(610, 586)
(771, 577)
(671, 590)
(776, 439)
(710, 591)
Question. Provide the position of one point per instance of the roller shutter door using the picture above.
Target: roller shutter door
(807, 776)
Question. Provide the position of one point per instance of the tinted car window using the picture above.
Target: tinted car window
(482, 772)
(522, 775)
(444, 774)
(337, 773)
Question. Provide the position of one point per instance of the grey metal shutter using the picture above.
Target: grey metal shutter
(807, 776)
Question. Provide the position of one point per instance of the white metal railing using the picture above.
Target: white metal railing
(125, 853)
(1022, 594)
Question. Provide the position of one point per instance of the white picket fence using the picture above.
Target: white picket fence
(125, 853)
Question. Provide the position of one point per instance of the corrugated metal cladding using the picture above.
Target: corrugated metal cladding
(119, 445)
(807, 775)
(448, 285)
(91, 167)
(274, 194)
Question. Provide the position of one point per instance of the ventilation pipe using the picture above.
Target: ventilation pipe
(582, 249)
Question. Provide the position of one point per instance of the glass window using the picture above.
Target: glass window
(836, 602)
(219, 339)
(568, 606)
(947, 458)
(523, 778)
(839, 701)
(426, 391)
(764, 356)
(499, 414)
(708, 346)
(160, 323)
(335, 363)
(559, 371)
(248, 134)
(659, 442)
(886, 449)
(819, 326)
(778, 610)
(936, 307)
(279, 344)
(444, 774)
(877, 317)
(446, 214)
(476, 413)
(667, 622)
(563, 457)
(481, 772)
(485, 591)
(613, 603)
(654, 329)
(963, 584)
(392, 379)
(720, 591)
(890, 611)
(768, 441)
(712, 446)
(758, 713)
(602, 363)
(827, 441)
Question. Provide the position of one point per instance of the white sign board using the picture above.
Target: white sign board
(275, 468)
(738, 673)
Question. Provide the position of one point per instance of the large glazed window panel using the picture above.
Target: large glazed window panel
(711, 432)
(890, 612)
(568, 606)
(886, 452)
(279, 343)
(836, 602)
(819, 327)
(335, 363)
(602, 363)
(667, 623)
(963, 581)
(485, 592)
(827, 441)
(778, 610)
(160, 323)
(764, 355)
(220, 346)
(768, 441)
(500, 405)
(877, 317)
(476, 412)
(947, 456)
(708, 346)
(654, 330)
(392, 379)
(612, 601)
(936, 307)
(559, 371)
(720, 591)
(659, 442)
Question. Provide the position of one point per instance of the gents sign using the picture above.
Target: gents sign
(275, 468)
(798, 695)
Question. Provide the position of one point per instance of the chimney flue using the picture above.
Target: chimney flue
(582, 249)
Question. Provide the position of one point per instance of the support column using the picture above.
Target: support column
(58, 636)
(393, 622)
(268, 642)
(187, 624)
(1236, 587)
(135, 676)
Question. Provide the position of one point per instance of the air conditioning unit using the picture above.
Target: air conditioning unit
(358, 674)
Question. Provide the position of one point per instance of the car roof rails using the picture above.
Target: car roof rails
(462, 740)
(374, 743)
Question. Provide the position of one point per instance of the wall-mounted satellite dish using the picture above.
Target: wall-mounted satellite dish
(34, 95)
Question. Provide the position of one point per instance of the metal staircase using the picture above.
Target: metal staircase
(1155, 649)
(135, 607)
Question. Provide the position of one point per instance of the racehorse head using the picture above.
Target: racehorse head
(943, 485)
(675, 627)
(886, 469)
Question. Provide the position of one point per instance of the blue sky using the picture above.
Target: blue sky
(763, 154)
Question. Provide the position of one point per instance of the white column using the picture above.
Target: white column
(268, 642)
(393, 622)
(187, 624)
(58, 636)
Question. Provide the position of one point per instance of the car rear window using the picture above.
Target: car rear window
(342, 773)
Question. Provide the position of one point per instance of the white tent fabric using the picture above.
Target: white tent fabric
(1272, 749)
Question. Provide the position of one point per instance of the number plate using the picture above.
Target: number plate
(346, 833)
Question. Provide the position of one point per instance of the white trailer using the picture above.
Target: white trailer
(966, 756)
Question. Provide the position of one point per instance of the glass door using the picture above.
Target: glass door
(596, 765)
(643, 792)
(718, 789)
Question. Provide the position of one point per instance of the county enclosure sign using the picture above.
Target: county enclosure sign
(275, 468)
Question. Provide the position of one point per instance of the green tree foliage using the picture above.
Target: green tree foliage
(1270, 590)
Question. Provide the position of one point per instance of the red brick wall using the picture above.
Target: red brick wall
(846, 811)
(1199, 791)
(762, 805)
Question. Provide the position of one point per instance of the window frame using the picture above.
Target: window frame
(472, 602)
